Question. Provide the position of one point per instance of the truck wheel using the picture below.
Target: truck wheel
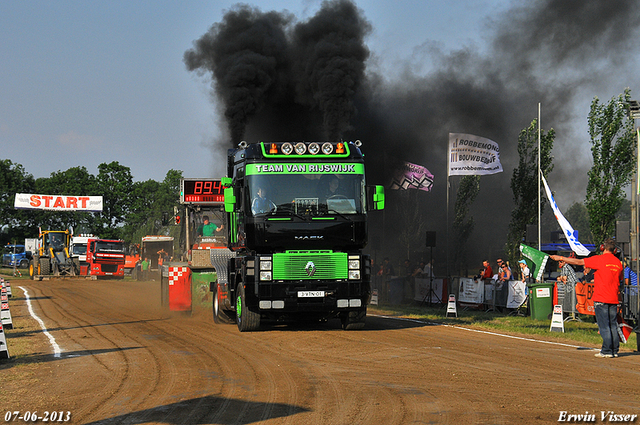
(353, 320)
(246, 319)
(24, 264)
(219, 315)
(45, 267)
(33, 270)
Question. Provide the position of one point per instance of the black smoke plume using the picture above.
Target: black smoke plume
(283, 80)
(260, 63)
(329, 62)
(247, 54)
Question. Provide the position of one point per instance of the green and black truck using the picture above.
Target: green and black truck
(296, 225)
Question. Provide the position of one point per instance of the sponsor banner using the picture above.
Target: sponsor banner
(584, 303)
(304, 168)
(471, 291)
(517, 294)
(569, 233)
(58, 202)
(412, 176)
(473, 155)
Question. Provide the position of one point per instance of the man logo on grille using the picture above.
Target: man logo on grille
(310, 268)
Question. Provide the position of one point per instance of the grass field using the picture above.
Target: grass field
(584, 330)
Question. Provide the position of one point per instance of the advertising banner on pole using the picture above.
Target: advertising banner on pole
(412, 176)
(473, 155)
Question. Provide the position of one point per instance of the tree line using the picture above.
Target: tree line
(131, 209)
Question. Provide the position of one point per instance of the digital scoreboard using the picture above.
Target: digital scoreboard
(201, 192)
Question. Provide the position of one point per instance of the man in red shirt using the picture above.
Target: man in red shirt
(606, 289)
(487, 272)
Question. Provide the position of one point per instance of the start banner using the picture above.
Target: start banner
(58, 202)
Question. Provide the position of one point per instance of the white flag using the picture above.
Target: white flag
(570, 234)
(473, 155)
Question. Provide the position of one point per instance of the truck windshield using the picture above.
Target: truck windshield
(103, 246)
(305, 194)
(79, 249)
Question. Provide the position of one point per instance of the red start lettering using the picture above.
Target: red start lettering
(72, 202)
(34, 201)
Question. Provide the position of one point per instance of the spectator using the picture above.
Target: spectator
(487, 271)
(630, 277)
(428, 269)
(387, 267)
(505, 274)
(606, 293)
(408, 270)
(568, 279)
(145, 269)
(420, 270)
(525, 273)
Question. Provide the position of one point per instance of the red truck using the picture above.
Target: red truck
(105, 258)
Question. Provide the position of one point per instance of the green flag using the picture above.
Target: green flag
(538, 258)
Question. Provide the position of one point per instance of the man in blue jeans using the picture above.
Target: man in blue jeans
(606, 293)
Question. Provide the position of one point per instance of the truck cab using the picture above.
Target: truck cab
(105, 258)
(297, 215)
(16, 255)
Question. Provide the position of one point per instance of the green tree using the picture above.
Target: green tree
(463, 225)
(114, 182)
(15, 224)
(151, 208)
(524, 183)
(613, 148)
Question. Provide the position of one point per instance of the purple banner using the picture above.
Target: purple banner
(412, 176)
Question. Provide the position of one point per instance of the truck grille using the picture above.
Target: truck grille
(109, 268)
(295, 265)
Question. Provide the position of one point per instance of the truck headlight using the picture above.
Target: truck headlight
(354, 267)
(265, 268)
(265, 275)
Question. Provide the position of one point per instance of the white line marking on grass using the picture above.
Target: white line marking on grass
(52, 340)
(484, 332)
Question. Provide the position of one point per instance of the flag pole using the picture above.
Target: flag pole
(539, 172)
(448, 187)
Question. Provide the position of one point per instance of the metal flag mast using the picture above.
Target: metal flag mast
(539, 172)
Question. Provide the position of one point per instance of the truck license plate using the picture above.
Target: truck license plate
(310, 294)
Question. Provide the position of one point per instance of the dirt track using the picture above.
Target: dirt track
(123, 360)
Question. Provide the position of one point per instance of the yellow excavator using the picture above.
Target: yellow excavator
(52, 258)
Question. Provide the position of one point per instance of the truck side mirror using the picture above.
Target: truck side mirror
(229, 196)
(375, 198)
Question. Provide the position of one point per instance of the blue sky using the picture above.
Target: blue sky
(87, 82)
